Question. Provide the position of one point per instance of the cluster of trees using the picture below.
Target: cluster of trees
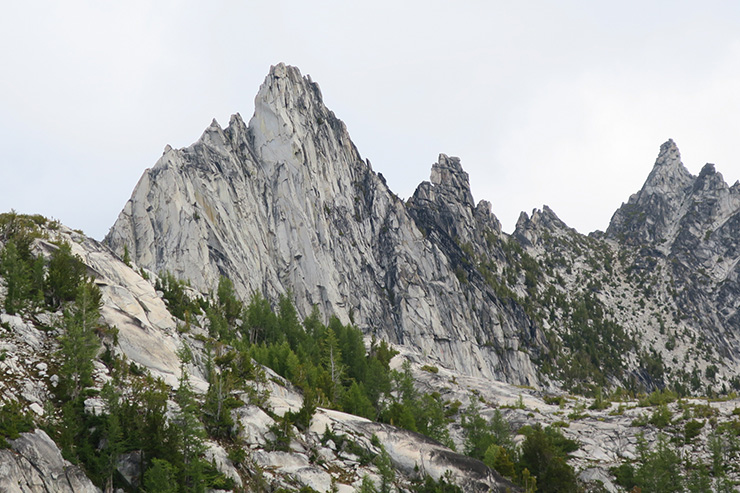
(539, 464)
(332, 367)
(328, 362)
(662, 469)
(169, 452)
(33, 283)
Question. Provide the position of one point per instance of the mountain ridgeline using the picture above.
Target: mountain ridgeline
(285, 205)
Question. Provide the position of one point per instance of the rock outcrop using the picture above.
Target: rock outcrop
(34, 464)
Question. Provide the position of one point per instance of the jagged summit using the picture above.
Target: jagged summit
(669, 174)
(445, 203)
(448, 173)
(530, 229)
(650, 213)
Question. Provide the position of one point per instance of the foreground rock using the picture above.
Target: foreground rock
(34, 464)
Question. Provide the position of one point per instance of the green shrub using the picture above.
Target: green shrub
(661, 417)
(692, 429)
(13, 422)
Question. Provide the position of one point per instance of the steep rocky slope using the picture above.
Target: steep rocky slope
(137, 329)
(148, 336)
(286, 203)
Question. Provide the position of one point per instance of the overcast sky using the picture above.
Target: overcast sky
(561, 103)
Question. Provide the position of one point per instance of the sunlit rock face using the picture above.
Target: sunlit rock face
(285, 204)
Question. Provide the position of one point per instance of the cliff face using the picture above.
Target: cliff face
(286, 204)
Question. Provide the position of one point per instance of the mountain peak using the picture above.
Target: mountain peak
(288, 81)
(529, 230)
(669, 147)
(289, 113)
(668, 166)
(649, 213)
(669, 176)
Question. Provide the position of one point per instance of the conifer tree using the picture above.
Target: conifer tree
(332, 362)
(66, 272)
(17, 279)
(160, 477)
(79, 344)
(190, 436)
(218, 404)
(230, 305)
(386, 471)
(660, 471)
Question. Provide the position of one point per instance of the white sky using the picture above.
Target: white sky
(560, 103)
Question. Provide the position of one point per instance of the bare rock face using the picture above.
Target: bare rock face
(147, 332)
(34, 464)
(286, 204)
(411, 452)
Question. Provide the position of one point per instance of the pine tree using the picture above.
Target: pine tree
(218, 404)
(230, 305)
(113, 448)
(114, 434)
(660, 471)
(160, 477)
(79, 344)
(66, 273)
(386, 471)
(367, 486)
(126, 256)
(17, 278)
(261, 323)
(332, 362)
(288, 321)
(190, 436)
(355, 401)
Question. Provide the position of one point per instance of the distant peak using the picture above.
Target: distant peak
(282, 70)
(668, 145)
(649, 213)
(236, 119)
(447, 171)
(540, 218)
(289, 97)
